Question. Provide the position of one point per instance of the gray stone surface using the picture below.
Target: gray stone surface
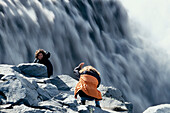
(17, 87)
(61, 96)
(92, 109)
(69, 81)
(60, 84)
(2, 98)
(51, 89)
(110, 104)
(45, 95)
(8, 70)
(52, 105)
(111, 92)
(33, 69)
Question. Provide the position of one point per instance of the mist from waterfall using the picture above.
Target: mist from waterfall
(151, 18)
(96, 32)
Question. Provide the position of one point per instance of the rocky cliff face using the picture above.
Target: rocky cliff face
(26, 88)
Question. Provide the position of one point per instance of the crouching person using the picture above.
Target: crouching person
(89, 81)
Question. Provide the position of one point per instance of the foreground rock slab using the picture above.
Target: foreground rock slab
(25, 109)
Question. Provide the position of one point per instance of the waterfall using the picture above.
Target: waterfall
(96, 32)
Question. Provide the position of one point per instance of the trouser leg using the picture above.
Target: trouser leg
(83, 100)
(97, 103)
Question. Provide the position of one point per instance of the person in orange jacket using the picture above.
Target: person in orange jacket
(89, 81)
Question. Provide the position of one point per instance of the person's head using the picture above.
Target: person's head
(40, 54)
(89, 68)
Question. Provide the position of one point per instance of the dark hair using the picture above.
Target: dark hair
(38, 52)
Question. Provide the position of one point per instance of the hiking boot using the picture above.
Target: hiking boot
(82, 102)
(98, 106)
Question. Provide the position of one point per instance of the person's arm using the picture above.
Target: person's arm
(35, 60)
(77, 69)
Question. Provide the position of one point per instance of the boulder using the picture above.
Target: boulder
(33, 69)
(17, 89)
(111, 92)
(164, 108)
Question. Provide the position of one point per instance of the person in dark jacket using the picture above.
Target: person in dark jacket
(42, 57)
(89, 81)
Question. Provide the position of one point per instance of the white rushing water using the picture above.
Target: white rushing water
(152, 19)
(96, 32)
